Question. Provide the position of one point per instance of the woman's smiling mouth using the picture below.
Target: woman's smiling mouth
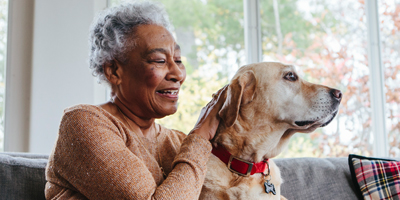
(168, 93)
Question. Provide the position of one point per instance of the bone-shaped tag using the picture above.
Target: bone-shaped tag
(269, 187)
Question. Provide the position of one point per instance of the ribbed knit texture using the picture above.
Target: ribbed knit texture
(97, 157)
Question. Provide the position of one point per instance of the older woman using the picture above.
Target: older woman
(116, 150)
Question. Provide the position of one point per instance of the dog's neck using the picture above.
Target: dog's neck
(250, 143)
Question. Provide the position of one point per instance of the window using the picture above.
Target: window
(326, 39)
(389, 16)
(211, 37)
(3, 49)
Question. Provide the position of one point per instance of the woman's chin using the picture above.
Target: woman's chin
(166, 111)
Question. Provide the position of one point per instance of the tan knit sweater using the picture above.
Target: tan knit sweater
(97, 157)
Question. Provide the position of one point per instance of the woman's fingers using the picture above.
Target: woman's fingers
(218, 100)
(208, 121)
(220, 92)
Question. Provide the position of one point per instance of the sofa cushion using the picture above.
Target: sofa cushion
(375, 178)
(22, 176)
(316, 178)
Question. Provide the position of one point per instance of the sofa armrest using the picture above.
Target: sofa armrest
(22, 175)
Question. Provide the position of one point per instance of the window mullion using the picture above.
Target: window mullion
(377, 93)
(252, 31)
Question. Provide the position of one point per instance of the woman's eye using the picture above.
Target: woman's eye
(159, 61)
(291, 76)
(178, 61)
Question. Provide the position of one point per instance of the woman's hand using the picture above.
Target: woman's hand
(208, 121)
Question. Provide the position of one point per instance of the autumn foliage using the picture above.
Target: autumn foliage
(327, 40)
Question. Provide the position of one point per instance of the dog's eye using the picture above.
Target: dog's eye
(290, 76)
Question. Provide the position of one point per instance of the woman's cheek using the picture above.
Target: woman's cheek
(153, 79)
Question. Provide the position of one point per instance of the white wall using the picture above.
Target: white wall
(60, 74)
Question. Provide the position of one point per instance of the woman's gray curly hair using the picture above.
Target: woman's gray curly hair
(114, 26)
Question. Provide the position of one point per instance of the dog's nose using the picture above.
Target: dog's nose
(336, 94)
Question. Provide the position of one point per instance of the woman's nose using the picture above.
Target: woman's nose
(177, 72)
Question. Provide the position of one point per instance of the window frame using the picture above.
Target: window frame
(253, 50)
(16, 133)
(380, 144)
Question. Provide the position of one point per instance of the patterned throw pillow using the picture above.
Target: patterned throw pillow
(375, 178)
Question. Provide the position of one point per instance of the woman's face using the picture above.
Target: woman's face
(153, 74)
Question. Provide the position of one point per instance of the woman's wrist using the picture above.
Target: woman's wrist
(200, 134)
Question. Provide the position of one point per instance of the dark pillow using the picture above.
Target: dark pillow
(375, 178)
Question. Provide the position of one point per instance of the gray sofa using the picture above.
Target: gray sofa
(22, 177)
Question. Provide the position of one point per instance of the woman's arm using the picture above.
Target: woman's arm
(92, 157)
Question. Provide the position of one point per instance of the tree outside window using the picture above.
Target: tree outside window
(389, 13)
(327, 41)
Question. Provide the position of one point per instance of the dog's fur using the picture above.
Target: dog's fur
(262, 110)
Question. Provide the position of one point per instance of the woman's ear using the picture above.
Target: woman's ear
(112, 71)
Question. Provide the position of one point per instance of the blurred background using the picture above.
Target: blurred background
(325, 39)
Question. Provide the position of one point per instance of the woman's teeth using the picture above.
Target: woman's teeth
(173, 92)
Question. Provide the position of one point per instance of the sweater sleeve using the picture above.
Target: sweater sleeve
(189, 170)
(91, 158)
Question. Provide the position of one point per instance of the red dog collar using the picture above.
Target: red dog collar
(240, 166)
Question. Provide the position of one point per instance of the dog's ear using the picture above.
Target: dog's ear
(240, 92)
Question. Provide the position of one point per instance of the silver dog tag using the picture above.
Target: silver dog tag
(269, 187)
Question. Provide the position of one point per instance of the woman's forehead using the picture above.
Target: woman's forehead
(153, 32)
(154, 38)
(163, 50)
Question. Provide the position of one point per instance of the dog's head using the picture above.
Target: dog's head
(269, 101)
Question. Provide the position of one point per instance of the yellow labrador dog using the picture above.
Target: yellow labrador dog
(266, 103)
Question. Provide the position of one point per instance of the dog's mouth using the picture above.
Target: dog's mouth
(312, 122)
(330, 120)
(304, 123)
